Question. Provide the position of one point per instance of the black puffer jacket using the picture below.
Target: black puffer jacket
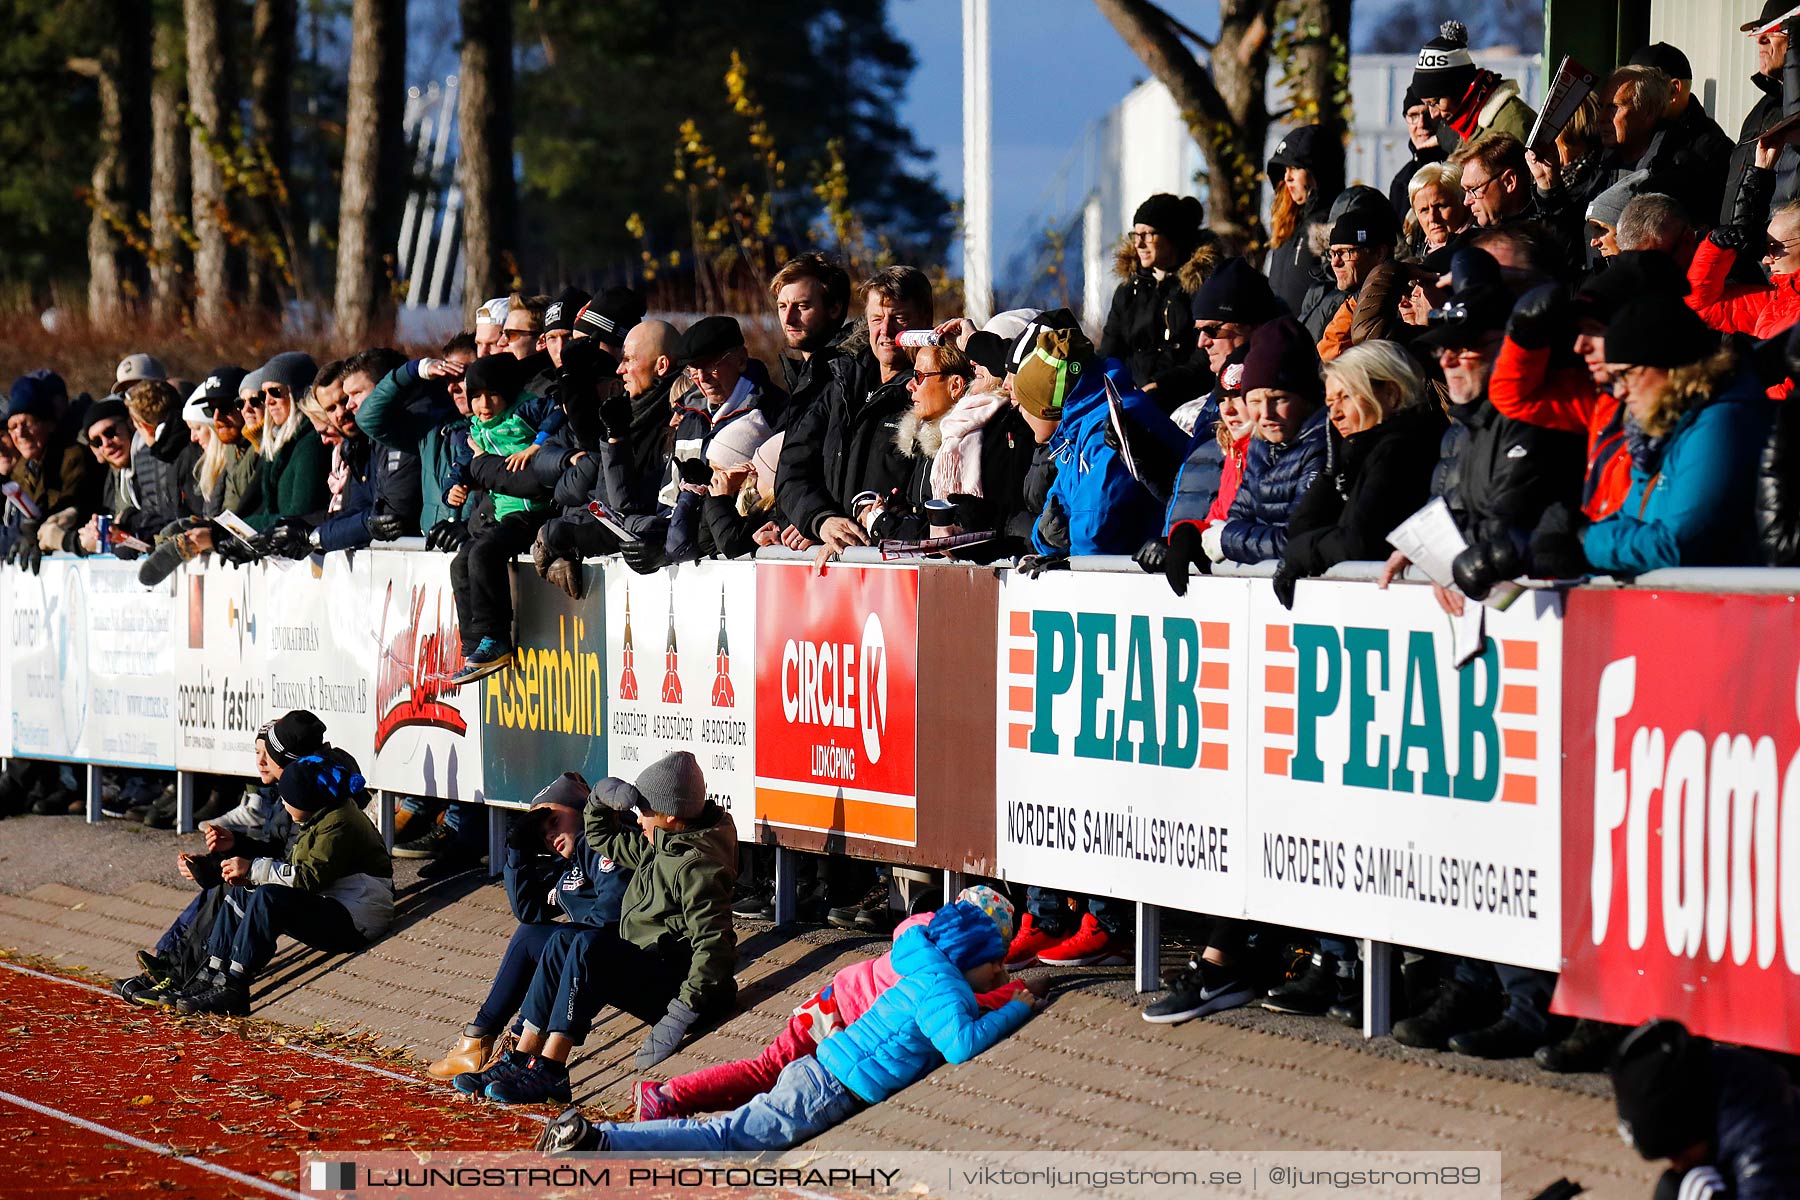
(162, 472)
(1275, 478)
(1757, 1144)
(1498, 475)
(1372, 481)
(1291, 264)
(804, 378)
(842, 444)
(1778, 490)
(1150, 326)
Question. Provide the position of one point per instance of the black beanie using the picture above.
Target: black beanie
(1629, 275)
(1283, 357)
(1178, 217)
(313, 783)
(1236, 292)
(609, 316)
(1658, 331)
(1666, 1089)
(560, 315)
(497, 375)
(1444, 69)
(292, 736)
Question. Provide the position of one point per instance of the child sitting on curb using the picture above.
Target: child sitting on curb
(928, 1017)
(671, 961)
(334, 893)
(550, 872)
(850, 994)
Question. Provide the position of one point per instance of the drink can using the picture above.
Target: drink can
(103, 528)
(913, 339)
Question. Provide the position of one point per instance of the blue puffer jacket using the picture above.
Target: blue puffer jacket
(1109, 512)
(1274, 480)
(1696, 505)
(1757, 1145)
(543, 887)
(1202, 467)
(928, 1017)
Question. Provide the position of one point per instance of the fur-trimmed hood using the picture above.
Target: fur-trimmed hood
(1195, 271)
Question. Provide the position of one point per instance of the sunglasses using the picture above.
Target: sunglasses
(112, 433)
(214, 407)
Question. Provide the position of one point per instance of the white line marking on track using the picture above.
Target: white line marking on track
(324, 1054)
(108, 1131)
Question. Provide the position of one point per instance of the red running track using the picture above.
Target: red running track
(102, 1098)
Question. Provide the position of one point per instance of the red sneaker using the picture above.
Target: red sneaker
(1028, 942)
(652, 1102)
(1089, 946)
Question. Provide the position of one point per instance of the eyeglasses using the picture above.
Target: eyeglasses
(1139, 239)
(1777, 248)
(913, 381)
(513, 335)
(112, 433)
(1472, 191)
(1344, 253)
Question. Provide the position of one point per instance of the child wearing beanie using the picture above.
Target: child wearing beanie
(850, 994)
(334, 893)
(929, 1016)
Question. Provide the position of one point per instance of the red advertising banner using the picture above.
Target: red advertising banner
(1681, 813)
(836, 700)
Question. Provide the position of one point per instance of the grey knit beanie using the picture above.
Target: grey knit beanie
(674, 785)
(293, 369)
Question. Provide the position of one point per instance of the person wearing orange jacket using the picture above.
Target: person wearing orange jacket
(1532, 382)
(1759, 309)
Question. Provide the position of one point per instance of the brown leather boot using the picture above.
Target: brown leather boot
(469, 1054)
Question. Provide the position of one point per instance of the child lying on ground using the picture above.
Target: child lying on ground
(928, 1017)
(334, 893)
(850, 994)
(550, 873)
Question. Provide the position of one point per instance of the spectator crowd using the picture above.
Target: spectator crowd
(1583, 348)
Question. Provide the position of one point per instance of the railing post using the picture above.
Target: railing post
(786, 886)
(94, 815)
(1378, 988)
(184, 802)
(954, 882)
(497, 829)
(384, 818)
(1149, 947)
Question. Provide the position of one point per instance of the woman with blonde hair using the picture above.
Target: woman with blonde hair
(1436, 213)
(294, 459)
(1695, 424)
(1382, 443)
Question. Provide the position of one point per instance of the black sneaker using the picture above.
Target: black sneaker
(229, 997)
(474, 1083)
(1348, 1011)
(125, 988)
(1505, 1038)
(1313, 991)
(441, 840)
(755, 901)
(1201, 989)
(851, 916)
(154, 965)
(1458, 1007)
(1589, 1047)
(570, 1133)
(162, 993)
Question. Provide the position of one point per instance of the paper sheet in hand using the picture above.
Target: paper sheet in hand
(1115, 412)
(237, 527)
(609, 523)
(1431, 540)
(1568, 88)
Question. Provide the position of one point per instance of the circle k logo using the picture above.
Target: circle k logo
(839, 685)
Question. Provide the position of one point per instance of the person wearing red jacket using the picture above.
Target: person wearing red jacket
(1759, 309)
(1530, 383)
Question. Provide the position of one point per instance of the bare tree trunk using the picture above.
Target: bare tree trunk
(374, 185)
(168, 174)
(120, 181)
(1321, 71)
(272, 125)
(1223, 107)
(212, 102)
(484, 165)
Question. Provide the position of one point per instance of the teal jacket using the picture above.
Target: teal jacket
(1696, 507)
(394, 415)
(928, 1017)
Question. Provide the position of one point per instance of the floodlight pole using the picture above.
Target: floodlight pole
(978, 205)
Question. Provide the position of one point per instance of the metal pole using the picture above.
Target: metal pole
(786, 886)
(384, 819)
(417, 293)
(978, 204)
(1378, 988)
(497, 827)
(94, 815)
(412, 125)
(184, 802)
(1149, 947)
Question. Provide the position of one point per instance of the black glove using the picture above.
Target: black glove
(1185, 551)
(1478, 568)
(615, 417)
(1151, 554)
(448, 534)
(229, 548)
(1735, 238)
(25, 553)
(1556, 550)
(644, 557)
(1053, 525)
(666, 1037)
(287, 538)
(1033, 565)
(694, 470)
(385, 527)
(1285, 581)
(1540, 318)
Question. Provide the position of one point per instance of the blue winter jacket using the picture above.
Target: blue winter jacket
(542, 887)
(928, 1017)
(416, 415)
(1275, 477)
(1201, 471)
(1696, 507)
(1109, 512)
(1757, 1141)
